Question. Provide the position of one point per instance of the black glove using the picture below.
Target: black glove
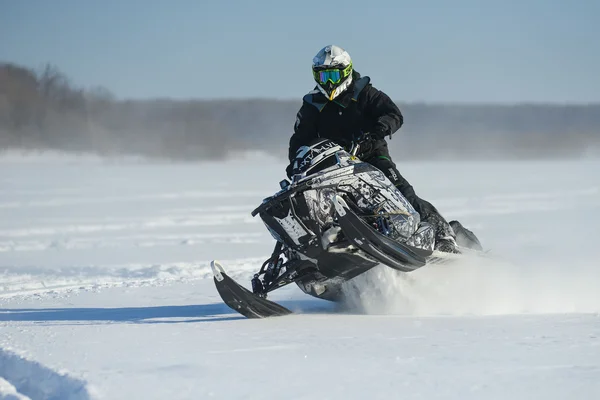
(367, 142)
(289, 170)
(366, 146)
(378, 134)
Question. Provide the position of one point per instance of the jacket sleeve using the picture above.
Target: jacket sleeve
(305, 128)
(383, 111)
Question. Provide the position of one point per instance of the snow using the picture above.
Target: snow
(38, 381)
(9, 392)
(106, 290)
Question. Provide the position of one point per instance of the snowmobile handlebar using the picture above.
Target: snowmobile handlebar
(355, 146)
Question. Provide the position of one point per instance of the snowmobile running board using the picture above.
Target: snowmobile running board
(240, 299)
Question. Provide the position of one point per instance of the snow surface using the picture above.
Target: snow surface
(106, 291)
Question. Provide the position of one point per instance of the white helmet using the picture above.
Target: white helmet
(332, 70)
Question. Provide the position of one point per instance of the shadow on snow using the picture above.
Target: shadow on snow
(151, 315)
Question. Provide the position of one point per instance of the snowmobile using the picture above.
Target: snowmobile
(338, 218)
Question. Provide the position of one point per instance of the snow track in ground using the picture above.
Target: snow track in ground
(9, 392)
(40, 282)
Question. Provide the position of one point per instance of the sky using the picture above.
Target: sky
(468, 51)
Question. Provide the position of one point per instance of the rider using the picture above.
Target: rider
(345, 107)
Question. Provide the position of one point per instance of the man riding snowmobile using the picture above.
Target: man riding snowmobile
(345, 108)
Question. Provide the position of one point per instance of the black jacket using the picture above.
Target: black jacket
(360, 109)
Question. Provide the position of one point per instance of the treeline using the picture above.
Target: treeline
(44, 110)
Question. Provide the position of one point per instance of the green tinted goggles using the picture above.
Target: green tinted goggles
(333, 75)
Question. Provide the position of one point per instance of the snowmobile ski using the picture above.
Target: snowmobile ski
(242, 300)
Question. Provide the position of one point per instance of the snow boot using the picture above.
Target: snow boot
(464, 237)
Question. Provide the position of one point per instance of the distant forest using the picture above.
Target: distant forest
(44, 110)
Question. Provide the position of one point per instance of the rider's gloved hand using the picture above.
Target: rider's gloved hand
(289, 170)
(378, 134)
(366, 147)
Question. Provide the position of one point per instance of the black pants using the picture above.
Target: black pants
(379, 157)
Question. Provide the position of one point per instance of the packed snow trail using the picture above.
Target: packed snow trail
(106, 290)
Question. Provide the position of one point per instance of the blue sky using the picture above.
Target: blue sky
(421, 50)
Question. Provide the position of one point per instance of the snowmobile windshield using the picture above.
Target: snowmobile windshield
(325, 163)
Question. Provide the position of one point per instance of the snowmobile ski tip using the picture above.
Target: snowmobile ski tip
(240, 299)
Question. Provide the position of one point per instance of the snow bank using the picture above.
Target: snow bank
(9, 392)
(20, 377)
